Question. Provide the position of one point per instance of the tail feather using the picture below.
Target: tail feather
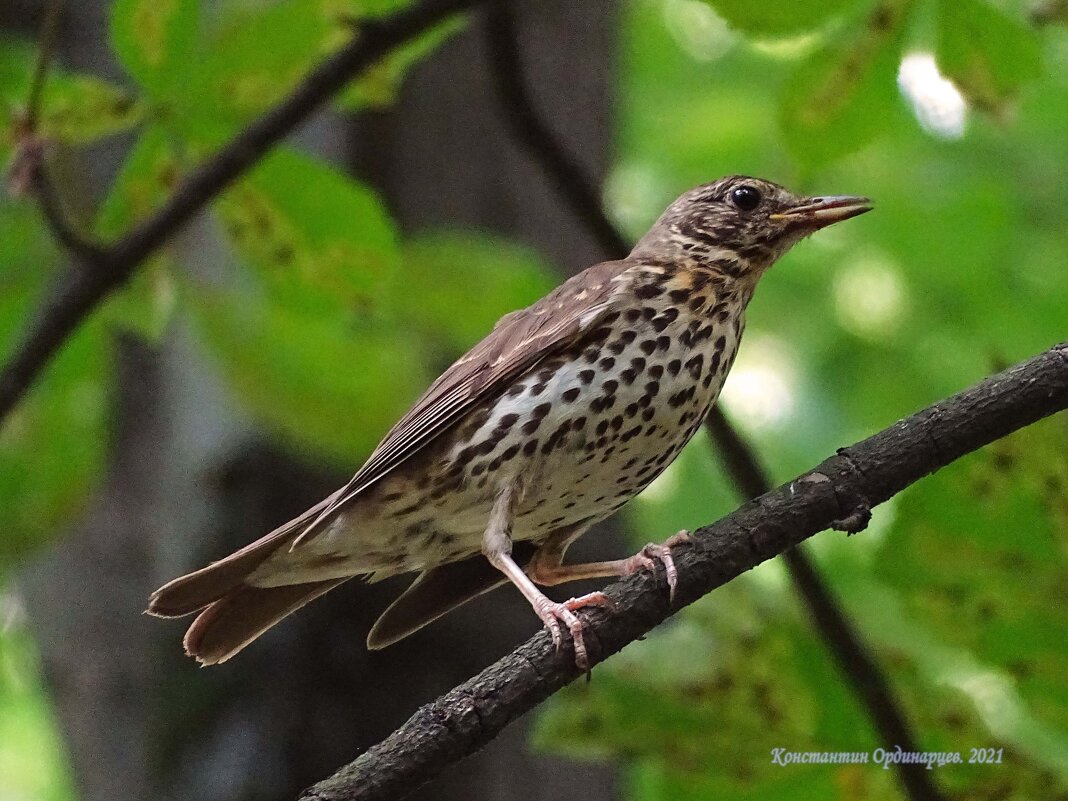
(437, 591)
(194, 591)
(243, 614)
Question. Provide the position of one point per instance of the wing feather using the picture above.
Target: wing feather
(518, 342)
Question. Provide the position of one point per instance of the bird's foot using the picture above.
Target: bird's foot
(553, 614)
(647, 558)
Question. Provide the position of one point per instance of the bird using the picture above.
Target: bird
(563, 413)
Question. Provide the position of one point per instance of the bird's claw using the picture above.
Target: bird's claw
(553, 614)
(652, 553)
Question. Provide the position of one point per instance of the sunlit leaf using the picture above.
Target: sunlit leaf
(841, 97)
(985, 52)
(155, 41)
(322, 382)
(778, 17)
(311, 230)
(75, 109)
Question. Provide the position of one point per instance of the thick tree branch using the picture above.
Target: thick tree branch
(844, 641)
(871, 471)
(83, 286)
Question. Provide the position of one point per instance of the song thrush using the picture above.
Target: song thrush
(562, 414)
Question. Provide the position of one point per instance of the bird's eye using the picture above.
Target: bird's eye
(745, 197)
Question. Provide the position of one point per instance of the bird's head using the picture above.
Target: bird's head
(741, 224)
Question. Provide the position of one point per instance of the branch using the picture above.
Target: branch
(836, 629)
(81, 288)
(533, 133)
(871, 471)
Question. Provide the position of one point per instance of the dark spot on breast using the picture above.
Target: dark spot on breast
(647, 291)
(617, 347)
(586, 376)
(628, 336)
(656, 371)
(610, 318)
(648, 312)
(679, 295)
(600, 334)
(580, 422)
(632, 315)
(631, 410)
(608, 363)
(648, 346)
(674, 366)
(721, 343)
(610, 386)
(570, 395)
(601, 427)
(686, 339)
(509, 452)
(541, 410)
(663, 342)
(537, 389)
(697, 303)
(531, 425)
(617, 422)
(591, 354)
(629, 435)
(628, 376)
(694, 365)
(478, 469)
(713, 364)
(516, 389)
(648, 414)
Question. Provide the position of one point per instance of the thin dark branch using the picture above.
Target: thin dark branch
(534, 134)
(79, 290)
(842, 637)
(871, 471)
(81, 247)
(45, 50)
(844, 640)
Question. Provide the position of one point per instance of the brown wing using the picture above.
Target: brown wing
(517, 343)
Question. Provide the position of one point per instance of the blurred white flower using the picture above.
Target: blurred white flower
(938, 105)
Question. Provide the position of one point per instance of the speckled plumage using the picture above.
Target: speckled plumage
(566, 411)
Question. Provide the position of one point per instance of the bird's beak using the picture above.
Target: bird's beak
(819, 212)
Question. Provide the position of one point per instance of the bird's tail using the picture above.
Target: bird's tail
(243, 614)
(233, 612)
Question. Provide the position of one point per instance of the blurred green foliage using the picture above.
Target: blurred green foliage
(959, 585)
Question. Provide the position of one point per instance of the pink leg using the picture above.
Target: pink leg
(546, 567)
(497, 547)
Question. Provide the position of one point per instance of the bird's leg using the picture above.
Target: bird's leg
(497, 547)
(547, 568)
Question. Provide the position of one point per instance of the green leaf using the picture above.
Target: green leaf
(379, 85)
(316, 236)
(322, 382)
(144, 182)
(145, 305)
(75, 109)
(986, 53)
(768, 18)
(52, 446)
(155, 40)
(462, 283)
(842, 96)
